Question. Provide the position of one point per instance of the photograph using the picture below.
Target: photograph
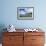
(25, 13)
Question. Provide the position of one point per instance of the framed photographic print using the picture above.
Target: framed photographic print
(25, 13)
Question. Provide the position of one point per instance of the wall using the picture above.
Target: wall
(8, 13)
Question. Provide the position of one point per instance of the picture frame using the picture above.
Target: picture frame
(25, 13)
